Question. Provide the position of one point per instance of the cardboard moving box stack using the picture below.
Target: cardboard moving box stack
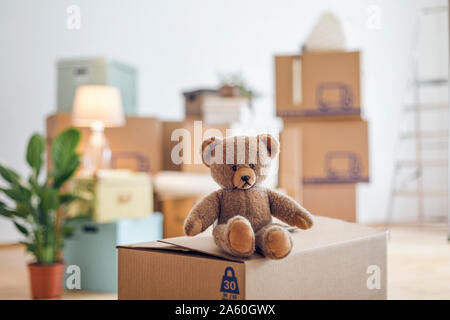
(325, 139)
(120, 201)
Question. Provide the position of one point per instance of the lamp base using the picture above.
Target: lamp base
(97, 154)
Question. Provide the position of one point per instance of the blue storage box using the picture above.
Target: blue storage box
(73, 73)
(93, 248)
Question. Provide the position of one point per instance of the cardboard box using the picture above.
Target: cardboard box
(331, 200)
(332, 151)
(290, 172)
(93, 248)
(188, 144)
(135, 146)
(333, 260)
(194, 101)
(167, 144)
(318, 84)
(175, 211)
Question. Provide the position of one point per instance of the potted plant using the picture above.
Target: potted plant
(35, 207)
(234, 84)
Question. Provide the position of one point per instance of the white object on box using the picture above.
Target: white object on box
(327, 35)
(219, 110)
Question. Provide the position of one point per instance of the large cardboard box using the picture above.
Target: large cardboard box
(290, 172)
(175, 210)
(318, 84)
(331, 200)
(186, 144)
(331, 151)
(333, 260)
(135, 146)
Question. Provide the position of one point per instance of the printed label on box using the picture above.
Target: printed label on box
(229, 286)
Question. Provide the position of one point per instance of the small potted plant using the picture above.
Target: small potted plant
(232, 85)
(35, 207)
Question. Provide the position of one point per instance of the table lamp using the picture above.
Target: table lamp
(97, 107)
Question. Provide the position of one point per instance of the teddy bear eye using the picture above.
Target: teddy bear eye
(251, 165)
(234, 168)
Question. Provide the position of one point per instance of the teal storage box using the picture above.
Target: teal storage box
(93, 248)
(73, 73)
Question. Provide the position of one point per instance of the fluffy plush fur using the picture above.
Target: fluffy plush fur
(243, 208)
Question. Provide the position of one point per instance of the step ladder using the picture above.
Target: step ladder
(422, 140)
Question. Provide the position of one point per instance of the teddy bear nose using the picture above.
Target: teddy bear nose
(245, 178)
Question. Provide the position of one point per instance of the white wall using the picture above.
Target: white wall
(184, 44)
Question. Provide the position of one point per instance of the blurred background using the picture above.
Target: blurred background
(173, 49)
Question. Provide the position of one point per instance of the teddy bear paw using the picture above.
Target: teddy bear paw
(241, 236)
(279, 243)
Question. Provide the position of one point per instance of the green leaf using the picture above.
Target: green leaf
(9, 176)
(5, 212)
(66, 198)
(22, 195)
(30, 247)
(21, 228)
(22, 210)
(67, 172)
(36, 147)
(64, 146)
(49, 199)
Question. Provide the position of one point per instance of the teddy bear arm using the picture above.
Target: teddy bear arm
(289, 211)
(202, 215)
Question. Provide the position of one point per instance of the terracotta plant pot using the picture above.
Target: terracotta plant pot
(46, 280)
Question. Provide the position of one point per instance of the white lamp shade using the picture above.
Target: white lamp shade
(96, 103)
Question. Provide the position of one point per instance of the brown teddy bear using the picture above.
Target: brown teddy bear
(243, 208)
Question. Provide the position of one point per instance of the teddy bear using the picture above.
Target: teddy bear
(242, 207)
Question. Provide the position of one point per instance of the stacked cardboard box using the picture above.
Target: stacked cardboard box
(325, 139)
(217, 107)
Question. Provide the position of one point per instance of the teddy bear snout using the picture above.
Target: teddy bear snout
(244, 178)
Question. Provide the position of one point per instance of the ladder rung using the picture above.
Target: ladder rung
(414, 193)
(426, 107)
(431, 82)
(424, 135)
(423, 163)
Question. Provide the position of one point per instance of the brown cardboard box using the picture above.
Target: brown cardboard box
(318, 84)
(135, 146)
(290, 172)
(194, 101)
(175, 210)
(190, 139)
(333, 260)
(167, 144)
(331, 200)
(332, 151)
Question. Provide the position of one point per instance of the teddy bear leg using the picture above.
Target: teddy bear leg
(235, 237)
(273, 241)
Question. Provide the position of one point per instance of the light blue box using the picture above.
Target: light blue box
(93, 248)
(73, 73)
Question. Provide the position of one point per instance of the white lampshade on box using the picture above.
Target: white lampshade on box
(97, 107)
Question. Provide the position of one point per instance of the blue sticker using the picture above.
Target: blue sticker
(229, 286)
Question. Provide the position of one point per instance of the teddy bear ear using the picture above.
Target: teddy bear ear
(271, 143)
(208, 150)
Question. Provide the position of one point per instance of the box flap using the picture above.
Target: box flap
(205, 244)
(201, 244)
(326, 232)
